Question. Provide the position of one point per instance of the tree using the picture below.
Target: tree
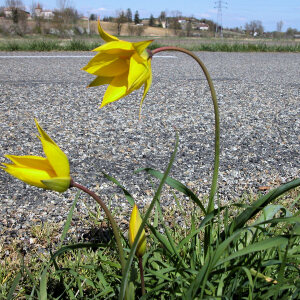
(290, 32)
(63, 4)
(120, 20)
(65, 15)
(108, 19)
(254, 27)
(129, 15)
(162, 16)
(18, 15)
(137, 18)
(17, 10)
(174, 21)
(2, 14)
(36, 10)
(93, 17)
(188, 28)
(279, 26)
(151, 21)
(162, 19)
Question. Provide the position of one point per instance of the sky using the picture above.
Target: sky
(235, 13)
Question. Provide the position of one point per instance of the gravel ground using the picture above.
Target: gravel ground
(258, 94)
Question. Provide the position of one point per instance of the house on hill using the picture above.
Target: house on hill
(9, 11)
(45, 14)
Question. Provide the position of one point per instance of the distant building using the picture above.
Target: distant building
(84, 18)
(8, 12)
(202, 26)
(45, 14)
(164, 24)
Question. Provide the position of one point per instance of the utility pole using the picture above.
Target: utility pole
(219, 28)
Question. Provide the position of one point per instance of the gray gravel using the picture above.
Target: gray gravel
(258, 94)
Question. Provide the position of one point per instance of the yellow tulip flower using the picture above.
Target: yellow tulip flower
(134, 225)
(123, 65)
(52, 172)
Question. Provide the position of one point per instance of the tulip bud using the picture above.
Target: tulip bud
(134, 225)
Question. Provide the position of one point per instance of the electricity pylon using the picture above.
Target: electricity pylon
(220, 5)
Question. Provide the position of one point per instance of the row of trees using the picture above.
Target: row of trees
(66, 14)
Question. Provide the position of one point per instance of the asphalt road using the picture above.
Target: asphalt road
(258, 95)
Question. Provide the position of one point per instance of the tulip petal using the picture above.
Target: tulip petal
(100, 81)
(141, 46)
(33, 162)
(28, 175)
(57, 158)
(120, 48)
(43, 134)
(116, 90)
(106, 65)
(138, 73)
(59, 184)
(146, 87)
(104, 35)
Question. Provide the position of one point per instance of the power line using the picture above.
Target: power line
(220, 5)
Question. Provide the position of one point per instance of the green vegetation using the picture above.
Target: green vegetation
(254, 253)
(236, 47)
(193, 45)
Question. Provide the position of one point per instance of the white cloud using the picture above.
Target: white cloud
(100, 9)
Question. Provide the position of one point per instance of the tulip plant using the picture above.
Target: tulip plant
(207, 261)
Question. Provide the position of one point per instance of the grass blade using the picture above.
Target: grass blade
(43, 285)
(174, 184)
(259, 246)
(13, 287)
(126, 193)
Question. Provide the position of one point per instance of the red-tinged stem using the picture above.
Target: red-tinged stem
(142, 275)
(112, 221)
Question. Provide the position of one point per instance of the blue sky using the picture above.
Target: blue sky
(236, 13)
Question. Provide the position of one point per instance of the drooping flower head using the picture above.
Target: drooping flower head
(52, 172)
(123, 65)
(134, 226)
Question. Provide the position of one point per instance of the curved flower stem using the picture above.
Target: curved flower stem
(112, 221)
(213, 189)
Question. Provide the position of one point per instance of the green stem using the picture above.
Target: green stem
(112, 221)
(142, 275)
(213, 189)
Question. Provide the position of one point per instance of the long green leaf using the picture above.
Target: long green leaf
(176, 185)
(162, 239)
(145, 219)
(258, 205)
(13, 287)
(288, 220)
(187, 238)
(259, 246)
(126, 193)
(43, 284)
